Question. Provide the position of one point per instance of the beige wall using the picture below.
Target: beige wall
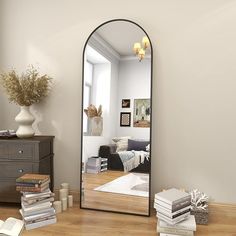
(194, 96)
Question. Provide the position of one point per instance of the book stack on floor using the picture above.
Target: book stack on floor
(36, 201)
(173, 211)
(93, 165)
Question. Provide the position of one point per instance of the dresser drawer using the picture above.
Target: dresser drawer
(3, 151)
(8, 191)
(22, 151)
(14, 170)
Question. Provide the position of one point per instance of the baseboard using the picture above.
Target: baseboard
(74, 193)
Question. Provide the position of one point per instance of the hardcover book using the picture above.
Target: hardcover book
(174, 207)
(31, 189)
(33, 178)
(173, 196)
(173, 230)
(169, 212)
(188, 224)
(173, 221)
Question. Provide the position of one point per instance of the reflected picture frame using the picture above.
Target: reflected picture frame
(125, 103)
(125, 119)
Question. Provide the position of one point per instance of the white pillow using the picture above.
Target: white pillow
(117, 139)
(121, 143)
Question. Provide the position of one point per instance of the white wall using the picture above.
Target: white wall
(100, 96)
(134, 82)
(194, 83)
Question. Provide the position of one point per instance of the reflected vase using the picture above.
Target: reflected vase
(95, 126)
(25, 120)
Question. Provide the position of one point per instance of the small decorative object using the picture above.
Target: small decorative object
(25, 90)
(95, 120)
(125, 118)
(7, 133)
(64, 204)
(199, 206)
(125, 103)
(142, 113)
(70, 201)
(57, 206)
(63, 193)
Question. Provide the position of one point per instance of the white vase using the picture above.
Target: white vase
(25, 120)
(95, 126)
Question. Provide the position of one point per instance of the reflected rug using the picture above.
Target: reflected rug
(136, 184)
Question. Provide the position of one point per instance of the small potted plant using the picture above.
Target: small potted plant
(94, 119)
(24, 90)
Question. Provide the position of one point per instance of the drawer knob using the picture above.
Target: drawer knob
(20, 170)
(20, 152)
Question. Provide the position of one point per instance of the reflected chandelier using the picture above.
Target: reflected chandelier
(140, 50)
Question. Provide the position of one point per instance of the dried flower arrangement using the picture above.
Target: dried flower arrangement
(199, 200)
(27, 89)
(199, 206)
(92, 111)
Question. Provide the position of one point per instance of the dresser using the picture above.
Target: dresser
(21, 156)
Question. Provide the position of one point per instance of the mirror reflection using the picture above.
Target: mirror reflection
(116, 158)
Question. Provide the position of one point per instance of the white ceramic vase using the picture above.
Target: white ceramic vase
(25, 120)
(95, 126)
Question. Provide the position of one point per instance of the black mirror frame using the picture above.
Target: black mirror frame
(82, 100)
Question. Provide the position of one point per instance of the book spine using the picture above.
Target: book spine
(181, 232)
(175, 215)
(25, 184)
(182, 200)
(172, 221)
(180, 205)
(33, 181)
(168, 211)
(29, 189)
(174, 208)
(40, 224)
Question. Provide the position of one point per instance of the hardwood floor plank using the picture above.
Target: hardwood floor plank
(75, 221)
(111, 201)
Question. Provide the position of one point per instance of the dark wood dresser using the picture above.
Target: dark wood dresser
(21, 156)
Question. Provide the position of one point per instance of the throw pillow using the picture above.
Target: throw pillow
(137, 145)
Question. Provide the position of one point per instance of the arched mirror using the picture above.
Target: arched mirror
(116, 119)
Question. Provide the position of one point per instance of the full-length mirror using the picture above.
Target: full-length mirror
(116, 119)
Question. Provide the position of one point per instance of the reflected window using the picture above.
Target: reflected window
(88, 83)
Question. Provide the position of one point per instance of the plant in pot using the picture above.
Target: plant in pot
(95, 121)
(24, 90)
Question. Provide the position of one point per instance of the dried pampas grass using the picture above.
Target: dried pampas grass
(27, 89)
(92, 111)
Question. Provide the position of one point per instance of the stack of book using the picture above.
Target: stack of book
(93, 165)
(36, 201)
(173, 211)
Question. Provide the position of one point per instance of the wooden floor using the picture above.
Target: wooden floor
(77, 222)
(111, 201)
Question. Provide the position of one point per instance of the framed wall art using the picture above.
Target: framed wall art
(125, 103)
(142, 113)
(125, 118)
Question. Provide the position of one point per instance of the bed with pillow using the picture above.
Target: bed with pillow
(127, 155)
